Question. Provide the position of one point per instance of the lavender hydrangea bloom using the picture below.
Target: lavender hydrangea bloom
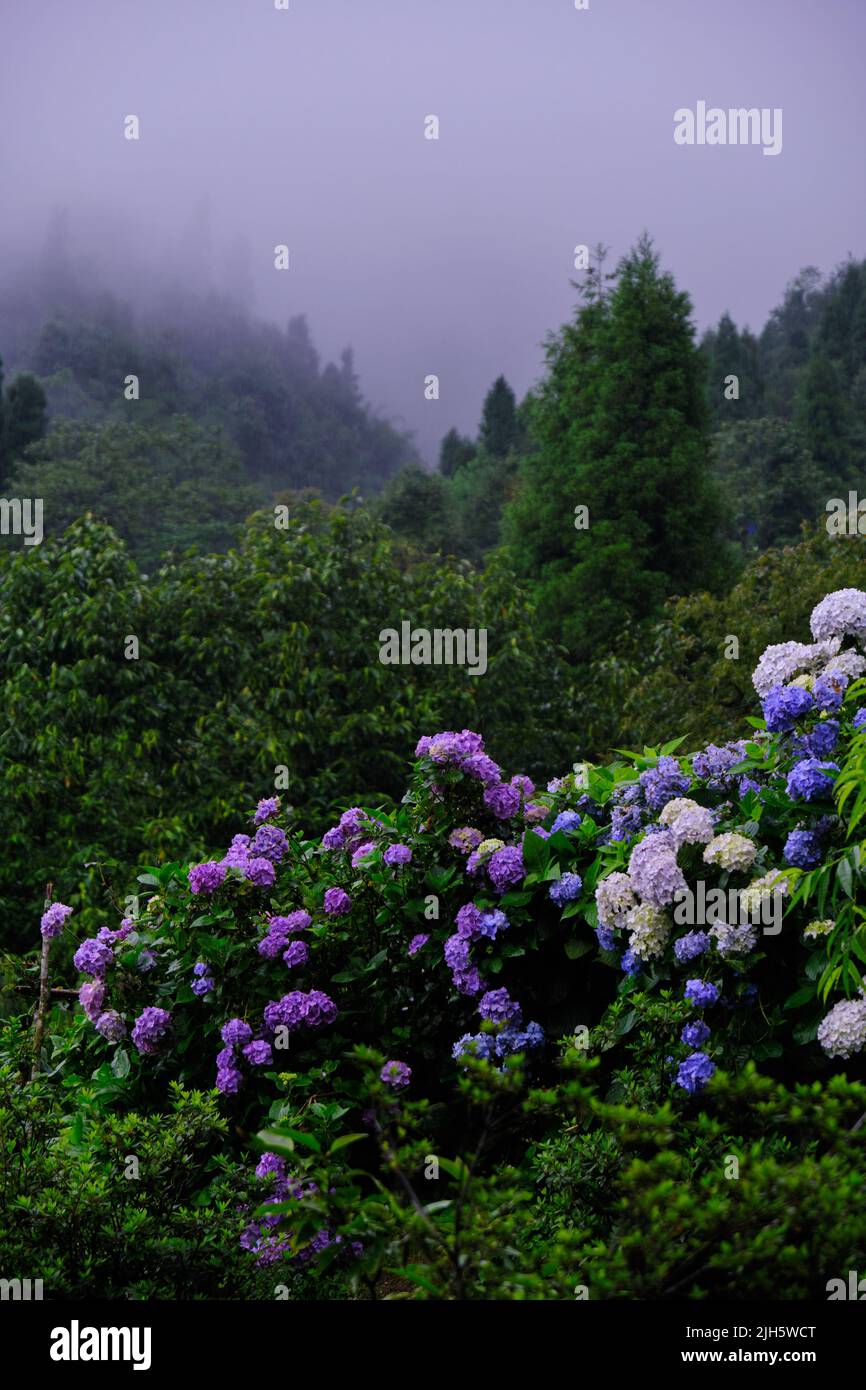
(663, 782)
(820, 742)
(606, 938)
(505, 868)
(417, 943)
(567, 821)
(565, 889)
(630, 963)
(714, 763)
(468, 981)
(258, 1053)
(693, 944)
(260, 872)
(492, 923)
(829, 690)
(843, 1031)
(150, 1029)
(229, 1080)
(466, 839)
(839, 614)
(337, 902)
(695, 1072)
(333, 838)
(474, 1045)
(207, 877)
(362, 852)
(396, 1074)
(468, 921)
(236, 1032)
(296, 953)
(269, 842)
(784, 705)
(397, 854)
(456, 952)
(810, 779)
(483, 769)
(859, 720)
(701, 993)
(91, 996)
(803, 849)
(654, 871)
(266, 808)
(237, 854)
(625, 821)
(271, 1165)
(203, 982)
(695, 1034)
(93, 957)
(502, 800)
(111, 1026)
(52, 920)
(498, 1006)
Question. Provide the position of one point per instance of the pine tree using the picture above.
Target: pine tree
(621, 427)
(823, 414)
(500, 429)
(454, 452)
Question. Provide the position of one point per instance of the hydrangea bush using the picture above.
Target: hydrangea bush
(487, 919)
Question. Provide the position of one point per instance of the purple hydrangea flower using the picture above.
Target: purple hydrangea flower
(498, 1006)
(229, 1080)
(663, 782)
(337, 902)
(367, 847)
(695, 1034)
(625, 821)
(396, 1074)
(207, 877)
(505, 868)
(502, 800)
(784, 705)
(630, 963)
(468, 981)
(701, 993)
(52, 920)
(266, 808)
(238, 853)
(397, 854)
(271, 1166)
(492, 923)
(456, 952)
(111, 1026)
(859, 720)
(333, 838)
(203, 981)
(606, 938)
(466, 839)
(93, 957)
(810, 779)
(91, 996)
(269, 842)
(567, 821)
(468, 921)
(820, 742)
(417, 942)
(296, 953)
(261, 872)
(566, 889)
(296, 921)
(803, 849)
(829, 690)
(236, 1032)
(693, 944)
(150, 1029)
(475, 1045)
(695, 1072)
(259, 1053)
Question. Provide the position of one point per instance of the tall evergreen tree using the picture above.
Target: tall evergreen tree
(500, 429)
(454, 452)
(823, 414)
(621, 427)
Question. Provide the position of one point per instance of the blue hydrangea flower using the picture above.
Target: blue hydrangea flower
(695, 1034)
(701, 993)
(784, 705)
(810, 779)
(695, 1072)
(693, 944)
(566, 889)
(566, 820)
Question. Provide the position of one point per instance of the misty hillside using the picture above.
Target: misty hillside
(294, 421)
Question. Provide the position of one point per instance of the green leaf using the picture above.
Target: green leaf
(120, 1064)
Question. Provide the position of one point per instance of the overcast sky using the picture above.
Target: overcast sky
(453, 256)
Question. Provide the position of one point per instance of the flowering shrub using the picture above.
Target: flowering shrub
(692, 911)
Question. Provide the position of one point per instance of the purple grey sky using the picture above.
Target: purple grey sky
(451, 257)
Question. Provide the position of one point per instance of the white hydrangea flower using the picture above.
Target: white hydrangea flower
(615, 897)
(843, 1031)
(694, 826)
(840, 614)
(779, 662)
(819, 928)
(734, 941)
(731, 851)
(849, 664)
(773, 882)
(674, 808)
(650, 929)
